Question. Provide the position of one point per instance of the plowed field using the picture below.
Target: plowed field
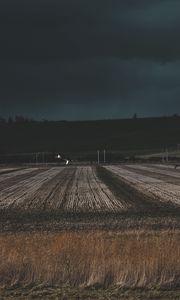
(115, 196)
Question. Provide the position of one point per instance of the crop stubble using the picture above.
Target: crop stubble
(155, 188)
(66, 189)
(95, 195)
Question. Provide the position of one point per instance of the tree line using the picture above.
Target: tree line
(22, 119)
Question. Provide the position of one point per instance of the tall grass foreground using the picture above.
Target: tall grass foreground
(81, 259)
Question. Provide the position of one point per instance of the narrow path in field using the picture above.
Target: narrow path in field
(158, 174)
(16, 195)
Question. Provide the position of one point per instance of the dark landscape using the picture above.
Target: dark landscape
(89, 150)
(22, 139)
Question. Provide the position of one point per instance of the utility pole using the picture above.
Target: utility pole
(178, 147)
(43, 155)
(167, 155)
(104, 156)
(36, 158)
(163, 155)
(98, 157)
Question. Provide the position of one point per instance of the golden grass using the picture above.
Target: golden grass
(127, 259)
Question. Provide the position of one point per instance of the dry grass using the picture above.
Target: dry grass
(80, 259)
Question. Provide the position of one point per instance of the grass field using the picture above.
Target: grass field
(101, 259)
(109, 232)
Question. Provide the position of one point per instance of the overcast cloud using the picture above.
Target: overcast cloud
(89, 59)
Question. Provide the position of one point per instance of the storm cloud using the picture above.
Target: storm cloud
(89, 59)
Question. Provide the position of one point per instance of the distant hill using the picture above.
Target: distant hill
(82, 139)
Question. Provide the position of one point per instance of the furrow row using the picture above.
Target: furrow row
(154, 188)
(16, 195)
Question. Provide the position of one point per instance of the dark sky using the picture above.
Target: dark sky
(89, 59)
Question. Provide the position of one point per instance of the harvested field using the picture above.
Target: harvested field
(7, 170)
(70, 190)
(169, 176)
(8, 175)
(156, 189)
(88, 193)
(164, 166)
(16, 194)
(88, 197)
(8, 180)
